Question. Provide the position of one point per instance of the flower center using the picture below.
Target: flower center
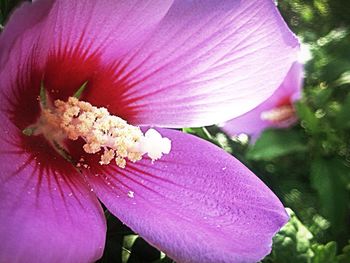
(278, 114)
(102, 132)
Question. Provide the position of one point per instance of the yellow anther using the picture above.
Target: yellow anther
(101, 131)
(107, 157)
(120, 162)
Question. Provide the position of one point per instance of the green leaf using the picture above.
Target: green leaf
(64, 153)
(343, 79)
(321, 96)
(203, 133)
(324, 253)
(343, 116)
(128, 242)
(327, 178)
(307, 116)
(292, 244)
(345, 256)
(276, 143)
(43, 96)
(80, 91)
(29, 131)
(200, 132)
(295, 243)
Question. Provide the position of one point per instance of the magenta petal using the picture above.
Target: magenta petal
(174, 64)
(17, 41)
(197, 204)
(45, 217)
(252, 122)
(207, 62)
(107, 27)
(28, 17)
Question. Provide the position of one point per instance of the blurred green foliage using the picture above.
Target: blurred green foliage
(296, 243)
(312, 19)
(314, 180)
(307, 166)
(273, 144)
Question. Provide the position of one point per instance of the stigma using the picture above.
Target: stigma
(279, 114)
(103, 133)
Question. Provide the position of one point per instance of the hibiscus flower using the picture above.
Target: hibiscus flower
(277, 111)
(72, 70)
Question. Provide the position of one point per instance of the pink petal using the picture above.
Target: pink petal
(17, 41)
(46, 214)
(198, 204)
(207, 62)
(101, 26)
(252, 122)
(27, 18)
(82, 40)
(197, 63)
(107, 27)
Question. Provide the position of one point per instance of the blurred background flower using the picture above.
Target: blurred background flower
(277, 111)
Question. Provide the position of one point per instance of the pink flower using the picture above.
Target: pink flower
(277, 111)
(152, 63)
